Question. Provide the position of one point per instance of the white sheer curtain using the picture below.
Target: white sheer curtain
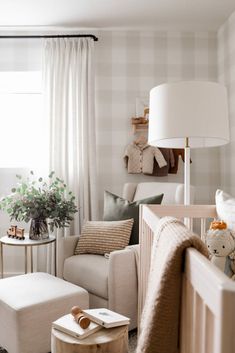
(68, 72)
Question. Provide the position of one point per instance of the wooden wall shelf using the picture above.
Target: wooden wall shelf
(140, 127)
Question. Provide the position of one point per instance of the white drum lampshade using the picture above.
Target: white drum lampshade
(188, 114)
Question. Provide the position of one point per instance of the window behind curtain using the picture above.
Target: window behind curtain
(23, 130)
(22, 145)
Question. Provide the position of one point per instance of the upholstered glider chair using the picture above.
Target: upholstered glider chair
(112, 282)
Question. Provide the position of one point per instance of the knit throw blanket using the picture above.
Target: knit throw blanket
(159, 329)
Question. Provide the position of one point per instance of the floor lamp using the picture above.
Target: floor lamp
(188, 114)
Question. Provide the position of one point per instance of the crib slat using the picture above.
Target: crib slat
(197, 325)
(203, 323)
(209, 329)
(191, 224)
(203, 228)
(198, 318)
(190, 321)
(187, 318)
(183, 327)
(146, 240)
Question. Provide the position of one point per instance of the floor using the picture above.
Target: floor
(132, 341)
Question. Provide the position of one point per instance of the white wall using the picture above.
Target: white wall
(129, 64)
(226, 75)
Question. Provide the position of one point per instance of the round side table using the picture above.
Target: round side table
(27, 244)
(113, 340)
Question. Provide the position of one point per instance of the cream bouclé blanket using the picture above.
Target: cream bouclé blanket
(160, 319)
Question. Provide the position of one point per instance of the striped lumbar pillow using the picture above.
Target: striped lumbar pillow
(104, 237)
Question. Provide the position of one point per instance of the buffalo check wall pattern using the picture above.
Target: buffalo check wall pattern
(128, 65)
(226, 75)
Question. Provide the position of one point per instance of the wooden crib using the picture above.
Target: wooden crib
(208, 296)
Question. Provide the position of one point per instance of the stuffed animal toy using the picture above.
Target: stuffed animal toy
(220, 242)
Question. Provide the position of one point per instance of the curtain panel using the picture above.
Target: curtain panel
(68, 70)
(68, 75)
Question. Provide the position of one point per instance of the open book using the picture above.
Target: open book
(68, 325)
(106, 317)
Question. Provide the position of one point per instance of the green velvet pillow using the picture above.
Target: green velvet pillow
(116, 208)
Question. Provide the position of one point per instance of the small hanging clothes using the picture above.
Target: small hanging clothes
(169, 157)
(139, 158)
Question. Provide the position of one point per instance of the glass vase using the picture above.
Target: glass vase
(38, 229)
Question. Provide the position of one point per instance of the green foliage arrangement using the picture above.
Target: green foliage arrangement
(37, 199)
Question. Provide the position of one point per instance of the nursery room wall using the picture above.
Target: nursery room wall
(129, 64)
(226, 75)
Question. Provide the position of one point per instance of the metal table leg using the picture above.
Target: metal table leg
(31, 259)
(55, 255)
(1, 250)
(25, 259)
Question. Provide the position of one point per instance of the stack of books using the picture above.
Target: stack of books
(99, 318)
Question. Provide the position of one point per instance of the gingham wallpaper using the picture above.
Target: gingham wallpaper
(226, 75)
(129, 64)
(20, 54)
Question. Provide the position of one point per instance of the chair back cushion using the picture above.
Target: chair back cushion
(173, 192)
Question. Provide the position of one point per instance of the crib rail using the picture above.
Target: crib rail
(208, 296)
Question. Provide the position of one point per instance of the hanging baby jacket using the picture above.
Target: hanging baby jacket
(139, 158)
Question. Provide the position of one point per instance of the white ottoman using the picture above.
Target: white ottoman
(28, 305)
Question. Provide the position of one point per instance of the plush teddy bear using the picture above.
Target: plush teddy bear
(221, 245)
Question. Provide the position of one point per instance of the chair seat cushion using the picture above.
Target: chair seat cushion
(88, 271)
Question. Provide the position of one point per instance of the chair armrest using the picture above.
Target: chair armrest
(65, 249)
(123, 283)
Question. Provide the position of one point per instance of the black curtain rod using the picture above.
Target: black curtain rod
(55, 36)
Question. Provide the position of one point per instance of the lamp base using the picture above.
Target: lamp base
(187, 175)
(187, 221)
